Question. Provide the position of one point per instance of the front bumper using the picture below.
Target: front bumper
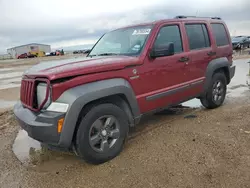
(39, 126)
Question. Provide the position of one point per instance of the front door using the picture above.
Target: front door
(164, 77)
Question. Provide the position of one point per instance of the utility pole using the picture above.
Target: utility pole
(197, 13)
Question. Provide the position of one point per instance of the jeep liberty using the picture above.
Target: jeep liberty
(87, 105)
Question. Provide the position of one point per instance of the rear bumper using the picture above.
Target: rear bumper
(39, 126)
(231, 71)
(248, 80)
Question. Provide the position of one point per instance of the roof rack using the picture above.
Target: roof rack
(181, 17)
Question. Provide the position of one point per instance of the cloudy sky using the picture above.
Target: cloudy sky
(76, 22)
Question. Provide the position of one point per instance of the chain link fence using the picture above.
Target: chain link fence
(5, 56)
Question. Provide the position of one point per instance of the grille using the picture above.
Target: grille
(27, 92)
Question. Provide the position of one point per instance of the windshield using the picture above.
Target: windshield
(127, 41)
(237, 39)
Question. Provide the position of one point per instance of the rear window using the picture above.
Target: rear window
(197, 36)
(220, 34)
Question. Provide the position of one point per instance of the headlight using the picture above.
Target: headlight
(49, 105)
(41, 94)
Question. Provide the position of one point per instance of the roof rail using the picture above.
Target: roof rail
(180, 17)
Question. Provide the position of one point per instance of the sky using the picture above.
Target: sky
(63, 23)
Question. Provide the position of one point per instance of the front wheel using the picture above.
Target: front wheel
(102, 133)
(216, 92)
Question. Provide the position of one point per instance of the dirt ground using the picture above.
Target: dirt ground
(211, 150)
(32, 61)
(165, 150)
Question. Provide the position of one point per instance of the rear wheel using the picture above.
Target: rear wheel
(216, 92)
(102, 133)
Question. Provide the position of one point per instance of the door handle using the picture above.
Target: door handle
(211, 53)
(183, 59)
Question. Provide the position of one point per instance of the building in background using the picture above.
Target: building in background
(37, 49)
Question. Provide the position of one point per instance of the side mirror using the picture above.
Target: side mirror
(162, 50)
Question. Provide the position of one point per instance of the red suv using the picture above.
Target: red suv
(87, 105)
(22, 56)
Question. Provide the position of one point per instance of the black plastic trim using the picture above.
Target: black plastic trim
(173, 91)
(79, 96)
(39, 126)
(232, 71)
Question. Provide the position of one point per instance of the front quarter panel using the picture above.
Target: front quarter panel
(79, 96)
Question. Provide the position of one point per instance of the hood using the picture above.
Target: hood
(79, 66)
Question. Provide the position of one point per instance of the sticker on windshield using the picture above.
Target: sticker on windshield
(141, 32)
(136, 47)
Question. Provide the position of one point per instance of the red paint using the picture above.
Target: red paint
(88, 66)
(155, 75)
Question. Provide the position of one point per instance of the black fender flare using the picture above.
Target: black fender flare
(215, 65)
(79, 96)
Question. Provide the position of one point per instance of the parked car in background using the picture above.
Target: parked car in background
(77, 51)
(51, 54)
(31, 55)
(81, 51)
(55, 53)
(241, 42)
(22, 56)
(87, 51)
(26, 55)
(88, 105)
(59, 52)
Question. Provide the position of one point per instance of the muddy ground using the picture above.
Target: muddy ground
(211, 148)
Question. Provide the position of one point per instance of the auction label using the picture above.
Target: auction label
(141, 32)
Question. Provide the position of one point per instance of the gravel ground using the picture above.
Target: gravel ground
(32, 61)
(211, 150)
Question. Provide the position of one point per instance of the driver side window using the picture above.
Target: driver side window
(170, 33)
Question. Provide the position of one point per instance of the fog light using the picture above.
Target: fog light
(60, 125)
(58, 107)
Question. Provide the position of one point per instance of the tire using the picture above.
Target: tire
(209, 100)
(90, 127)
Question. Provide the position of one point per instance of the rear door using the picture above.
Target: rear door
(201, 50)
